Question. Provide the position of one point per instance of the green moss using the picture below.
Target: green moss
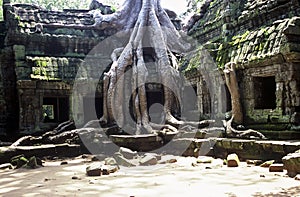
(195, 61)
(213, 3)
(21, 24)
(36, 71)
(261, 46)
(17, 17)
(240, 38)
(43, 72)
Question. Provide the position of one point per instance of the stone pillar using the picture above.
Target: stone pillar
(28, 105)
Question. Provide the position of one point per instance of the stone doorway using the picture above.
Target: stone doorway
(55, 109)
(265, 92)
(93, 108)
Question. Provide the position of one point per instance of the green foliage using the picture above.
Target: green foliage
(57, 5)
(1, 10)
(61, 4)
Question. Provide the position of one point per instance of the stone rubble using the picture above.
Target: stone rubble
(267, 164)
(127, 153)
(149, 159)
(276, 168)
(233, 160)
(292, 163)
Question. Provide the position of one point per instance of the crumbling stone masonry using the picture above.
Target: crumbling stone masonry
(41, 53)
(263, 38)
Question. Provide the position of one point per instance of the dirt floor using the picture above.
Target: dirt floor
(176, 179)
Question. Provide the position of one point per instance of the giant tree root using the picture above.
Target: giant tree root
(245, 134)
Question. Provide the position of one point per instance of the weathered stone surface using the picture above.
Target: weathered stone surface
(123, 161)
(158, 156)
(167, 159)
(98, 169)
(6, 166)
(94, 169)
(127, 153)
(254, 162)
(276, 168)
(107, 169)
(233, 160)
(19, 161)
(267, 164)
(292, 163)
(148, 160)
(110, 161)
(144, 142)
(63, 150)
(204, 159)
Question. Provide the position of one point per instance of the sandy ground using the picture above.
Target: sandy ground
(177, 179)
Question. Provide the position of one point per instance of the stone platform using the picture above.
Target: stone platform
(245, 149)
(212, 146)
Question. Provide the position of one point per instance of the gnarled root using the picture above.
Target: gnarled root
(249, 133)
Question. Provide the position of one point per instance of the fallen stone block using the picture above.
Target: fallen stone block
(127, 153)
(94, 169)
(19, 161)
(110, 161)
(254, 162)
(158, 157)
(276, 168)
(205, 159)
(98, 169)
(167, 159)
(292, 164)
(107, 169)
(6, 166)
(267, 164)
(233, 160)
(123, 161)
(148, 160)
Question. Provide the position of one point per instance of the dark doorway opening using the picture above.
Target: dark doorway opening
(55, 109)
(190, 98)
(93, 108)
(265, 92)
(155, 102)
(227, 107)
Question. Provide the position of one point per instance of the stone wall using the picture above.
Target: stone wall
(43, 50)
(51, 59)
(41, 54)
(262, 37)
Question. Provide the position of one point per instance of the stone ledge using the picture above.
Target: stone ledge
(245, 149)
(60, 150)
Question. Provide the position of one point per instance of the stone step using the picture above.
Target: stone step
(245, 149)
(59, 150)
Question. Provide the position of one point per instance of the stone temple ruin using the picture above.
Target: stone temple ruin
(41, 51)
(263, 38)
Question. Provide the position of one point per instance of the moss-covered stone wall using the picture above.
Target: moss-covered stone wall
(41, 53)
(263, 38)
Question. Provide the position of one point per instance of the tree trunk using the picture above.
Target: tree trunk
(148, 23)
(232, 84)
(237, 112)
